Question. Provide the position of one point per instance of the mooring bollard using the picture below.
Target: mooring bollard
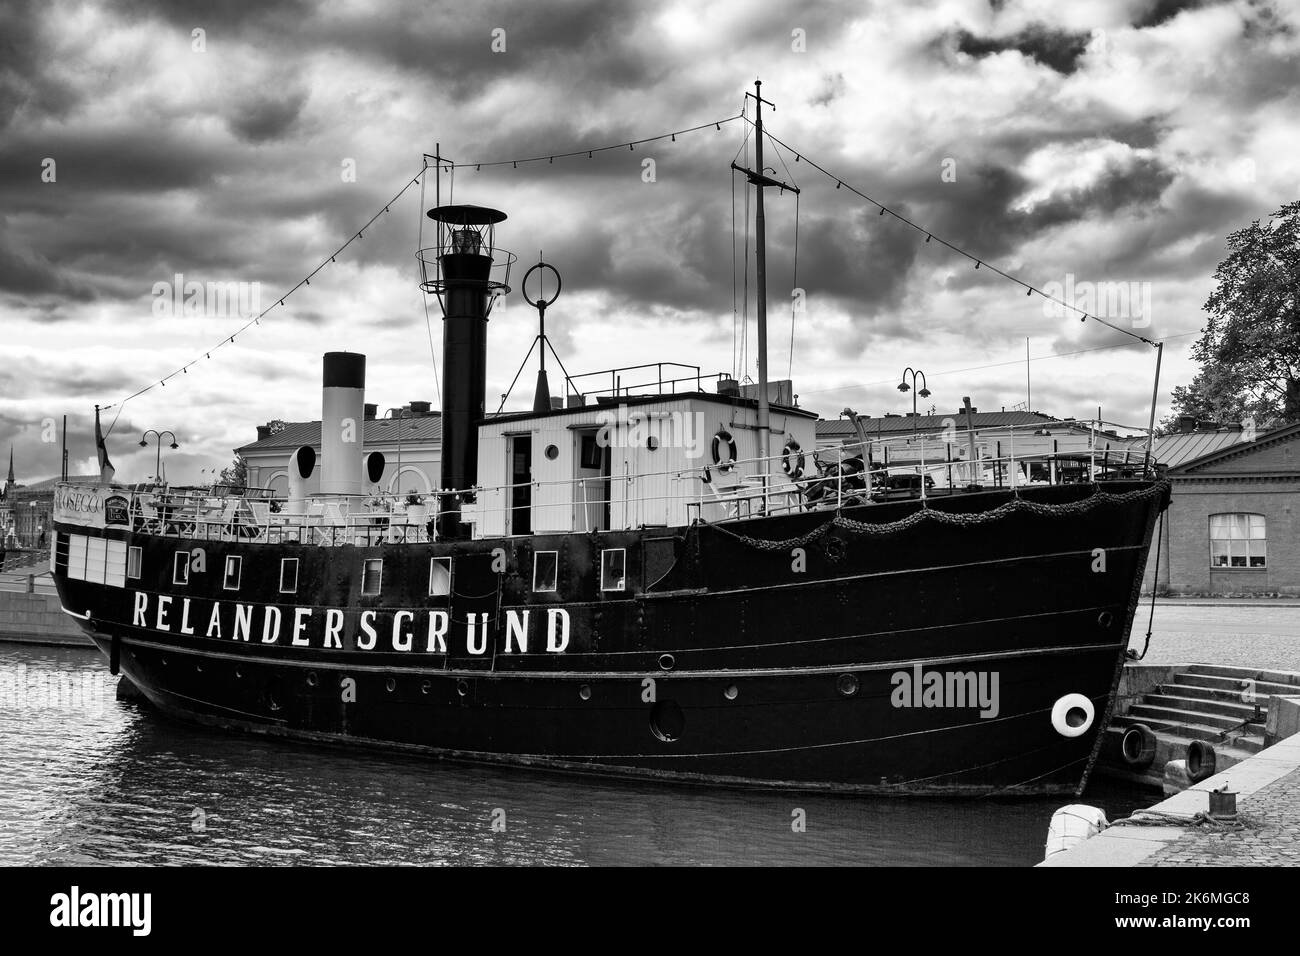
(31, 583)
(1223, 804)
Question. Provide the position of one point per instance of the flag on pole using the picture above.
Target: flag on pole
(106, 469)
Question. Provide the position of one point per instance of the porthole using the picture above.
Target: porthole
(666, 662)
(552, 452)
(847, 684)
(732, 692)
(199, 668)
(1105, 619)
(238, 672)
(462, 687)
(667, 722)
(311, 678)
(584, 692)
(652, 443)
(424, 687)
(390, 685)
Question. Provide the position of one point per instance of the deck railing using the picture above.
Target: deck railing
(849, 474)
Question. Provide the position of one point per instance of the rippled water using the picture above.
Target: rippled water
(86, 779)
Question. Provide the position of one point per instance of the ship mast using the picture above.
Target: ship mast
(760, 181)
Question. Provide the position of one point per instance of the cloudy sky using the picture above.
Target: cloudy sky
(1109, 141)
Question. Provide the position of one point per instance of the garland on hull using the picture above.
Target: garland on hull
(1016, 504)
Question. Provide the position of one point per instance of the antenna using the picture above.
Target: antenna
(542, 396)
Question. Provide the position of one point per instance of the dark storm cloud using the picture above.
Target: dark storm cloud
(267, 116)
(24, 84)
(24, 271)
(1157, 12)
(1058, 49)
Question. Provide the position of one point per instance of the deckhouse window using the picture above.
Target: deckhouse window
(613, 569)
(234, 568)
(181, 568)
(133, 559)
(546, 566)
(372, 576)
(1238, 541)
(439, 577)
(288, 575)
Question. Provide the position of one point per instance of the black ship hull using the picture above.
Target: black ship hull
(940, 647)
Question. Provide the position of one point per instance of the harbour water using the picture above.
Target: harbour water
(88, 780)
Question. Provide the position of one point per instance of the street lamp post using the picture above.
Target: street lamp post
(924, 392)
(144, 443)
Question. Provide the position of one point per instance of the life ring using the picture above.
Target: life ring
(724, 436)
(1138, 746)
(793, 461)
(1201, 761)
(1072, 715)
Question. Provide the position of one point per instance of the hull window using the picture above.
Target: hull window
(234, 570)
(181, 568)
(546, 566)
(133, 558)
(372, 576)
(439, 577)
(288, 575)
(613, 569)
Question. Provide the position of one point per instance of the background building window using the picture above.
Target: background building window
(372, 576)
(234, 567)
(439, 577)
(1238, 541)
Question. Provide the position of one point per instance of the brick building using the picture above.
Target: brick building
(1233, 526)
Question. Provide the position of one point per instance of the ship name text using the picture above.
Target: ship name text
(423, 630)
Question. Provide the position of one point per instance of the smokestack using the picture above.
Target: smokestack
(342, 419)
(470, 273)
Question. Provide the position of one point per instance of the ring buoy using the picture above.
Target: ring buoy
(1201, 761)
(793, 461)
(1072, 715)
(729, 463)
(1138, 746)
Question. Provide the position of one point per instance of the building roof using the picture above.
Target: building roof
(376, 431)
(1236, 443)
(842, 427)
(1178, 449)
(47, 485)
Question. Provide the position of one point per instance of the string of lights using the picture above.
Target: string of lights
(930, 236)
(279, 301)
(589, 152)
(360, 234)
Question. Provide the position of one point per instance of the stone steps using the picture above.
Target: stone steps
(1286, 678)
(1234, 685)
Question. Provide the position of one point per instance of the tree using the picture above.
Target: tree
(1249, 351)
(236, 473)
